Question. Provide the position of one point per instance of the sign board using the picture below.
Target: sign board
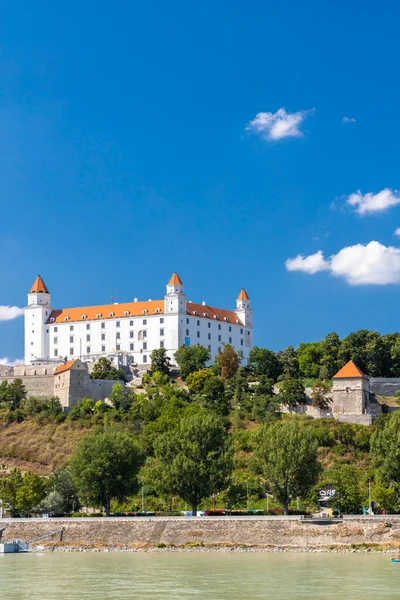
(326, 493)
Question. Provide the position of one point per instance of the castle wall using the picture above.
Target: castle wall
(41, 386)
(350, 396)
(384, 386)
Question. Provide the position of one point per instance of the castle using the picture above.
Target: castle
(127, 333)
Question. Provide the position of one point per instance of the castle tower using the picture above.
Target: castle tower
(243, 309)
(350, 391)
(175, 299)
(36, 316)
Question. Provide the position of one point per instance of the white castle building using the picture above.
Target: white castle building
(130, 331)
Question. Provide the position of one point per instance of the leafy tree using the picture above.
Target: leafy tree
(12, 394)
(160, 361)
(117, 395)
(290, 364)
(197, 380)
(286, 455)
(48, 407)
(31, 491)
(348, 497)
(329, 360)
(228, 361)
(264, 362)
(319, 395)
(385, 455)
(386, 497)
(9, 487)
(292, 392)
(191, 358)
(103, 369)
(196, 457)
(309, 357)
(53, 503)
(104, 467)
(63, 485)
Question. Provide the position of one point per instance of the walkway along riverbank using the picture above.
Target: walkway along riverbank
(267, 533)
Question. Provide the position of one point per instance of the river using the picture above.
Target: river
(206, 576)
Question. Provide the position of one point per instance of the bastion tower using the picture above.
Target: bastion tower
(36, 316)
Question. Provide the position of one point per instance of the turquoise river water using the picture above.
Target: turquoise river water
(205, 576)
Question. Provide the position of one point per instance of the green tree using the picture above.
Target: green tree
(228, 361)
(386, 497)
(330, 352)
(13, 394)
(292, 392)
(320, 395)
(348, 497)
(263, 362)
(385, 455)
(105, 467)
(290, 363)
(191, 358)
(286, 455)
(9, 487)
(195, 457)
(63, 485)
(103, 369)
(31, 491)
(160, 361)
(309, 357)
(54, 504)
(118, 395)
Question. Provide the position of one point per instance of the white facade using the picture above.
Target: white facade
(129, 332)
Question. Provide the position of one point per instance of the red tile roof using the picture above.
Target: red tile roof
(218, 314)
(39, 286)
(349, 371)
(175, 280)
(65, 367)
(107, 311)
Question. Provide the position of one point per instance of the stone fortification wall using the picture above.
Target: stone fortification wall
(264, 531)
(40, 385)
(363, 419)
(384, 386)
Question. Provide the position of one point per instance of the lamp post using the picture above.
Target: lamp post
(369, 498)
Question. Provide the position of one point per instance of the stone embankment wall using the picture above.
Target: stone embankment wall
(275, 531)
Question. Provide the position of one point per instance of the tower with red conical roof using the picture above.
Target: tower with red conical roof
(37, 314)
(350, 392)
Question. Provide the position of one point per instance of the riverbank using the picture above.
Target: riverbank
(203, 534)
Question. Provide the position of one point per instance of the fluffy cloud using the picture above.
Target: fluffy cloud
(10, 312)
(275, 126)
(370, 203)
(397, 232)
(348, 120)
(360, 264)
(11, 363)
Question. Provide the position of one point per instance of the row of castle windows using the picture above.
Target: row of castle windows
(103, 348)
(103, 325)
(142, 334)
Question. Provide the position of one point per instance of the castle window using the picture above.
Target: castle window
(225, 318)
(248, 333)
(88, 338)
(230, 328)
(103, 325)
(144, 358)
(216, 317)
(187, 321)
(98, 315)
(209, 325)
(71, 339)
(144, 345)
(187, 331)
(56, 352)
(66, 318)
(241, 342)
(144, 333)
(144, 311)
(241, 331)
(88, 350)
(126, 313)
(209, 336)
(157, 310)
(130, 346)
(131, 334)
(161, 344)
(118, 336)
(195, 312)
(118, 347)
(130, 323)
(347, 390)
(161, 332)
(71, 351)
(83, 316)
(161, 319)
(87, 325)
(52, 320)
(118, 323)
(55, 329)
(198, 334)
(198, 323)
(55, 341)
(230, 340)
(103, 348)
(71, 327)
(144, 321)
(111, 314)
(103, 337)
(219, 326)
(219, 338)
(209, 347)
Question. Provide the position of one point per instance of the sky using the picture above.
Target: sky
(242, 144)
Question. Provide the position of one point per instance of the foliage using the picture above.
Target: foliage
(12, 394)
(228, 361)
(22, 493)
(292, 392)
(160, 361)
(63, 485)
(348, 497)
(319, 395)
(385, 455)
(105, 466)
(290, 363)
(386, 497)
(286, 456)
(103, 369)
(191, 359)
(264, 362)
(195, 457)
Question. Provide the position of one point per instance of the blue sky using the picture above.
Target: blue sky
(131, 147)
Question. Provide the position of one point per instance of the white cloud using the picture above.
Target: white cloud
(360, 264)
(308, 264)
(275, 126)
(397, 232)
(348, 120)
(370, 203)
(10, 312)
(11, 363)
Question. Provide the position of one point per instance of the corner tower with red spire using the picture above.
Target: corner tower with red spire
(36, 316)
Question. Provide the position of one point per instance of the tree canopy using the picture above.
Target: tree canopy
(191, 359)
